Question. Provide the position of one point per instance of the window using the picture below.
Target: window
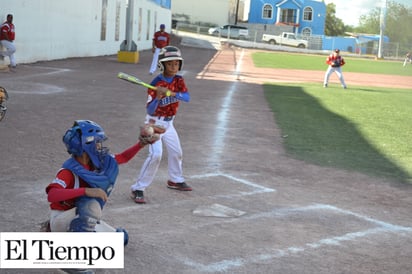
(308, 14)
(267, 11)
(288, 16)
(306, 32)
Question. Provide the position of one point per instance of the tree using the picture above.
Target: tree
(333, 25)
(398, 22)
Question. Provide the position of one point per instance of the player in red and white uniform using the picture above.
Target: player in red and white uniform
(335, 62)
(160, 40)
(162, 106)
(7, 36)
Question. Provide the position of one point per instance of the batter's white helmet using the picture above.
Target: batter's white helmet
(170, 53)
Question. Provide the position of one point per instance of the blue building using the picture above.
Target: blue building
(307, 17)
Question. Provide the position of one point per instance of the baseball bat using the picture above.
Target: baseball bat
(134, 80)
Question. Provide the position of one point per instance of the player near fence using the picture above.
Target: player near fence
(162, 106)
(408, 59)
(7, 35)
(335, 62)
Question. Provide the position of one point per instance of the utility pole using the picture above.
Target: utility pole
(382, 28)
(237, 10)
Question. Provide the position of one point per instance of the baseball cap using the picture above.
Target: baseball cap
(162, 26)
(337, 50)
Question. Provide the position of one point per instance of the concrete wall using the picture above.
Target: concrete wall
(50, 29)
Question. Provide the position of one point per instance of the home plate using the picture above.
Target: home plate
(217, 210)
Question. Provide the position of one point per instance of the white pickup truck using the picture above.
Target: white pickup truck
(285, 39)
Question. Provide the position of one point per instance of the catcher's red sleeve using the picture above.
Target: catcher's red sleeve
(55, 195)
(128, 154)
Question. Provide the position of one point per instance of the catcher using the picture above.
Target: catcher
(335, 62)
(83, 184)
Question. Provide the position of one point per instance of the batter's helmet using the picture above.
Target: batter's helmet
(86, 136)
(170, 53)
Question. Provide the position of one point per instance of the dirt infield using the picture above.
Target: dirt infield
(293, 217)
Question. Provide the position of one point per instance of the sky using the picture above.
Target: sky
(350, 11)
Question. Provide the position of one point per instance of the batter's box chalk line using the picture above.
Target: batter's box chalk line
(236, 262)
(255, 188)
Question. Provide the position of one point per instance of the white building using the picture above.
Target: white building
(50, 29)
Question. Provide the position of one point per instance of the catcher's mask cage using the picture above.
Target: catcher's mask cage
(170, 53)
(86, 136)
(3, 99)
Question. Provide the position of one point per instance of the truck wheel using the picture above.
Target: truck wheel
(302, 46)
(272, 42)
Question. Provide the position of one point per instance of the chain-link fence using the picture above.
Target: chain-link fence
(315, 42)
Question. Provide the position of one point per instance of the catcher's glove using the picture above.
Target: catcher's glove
(336, 64)
(150, 133)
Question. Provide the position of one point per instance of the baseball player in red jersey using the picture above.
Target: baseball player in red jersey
(162, 106)
(160, 40)
(335, 62)
(7, 36)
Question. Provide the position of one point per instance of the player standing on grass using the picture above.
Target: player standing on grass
(162, 105)
(408, 58)
(335, 62)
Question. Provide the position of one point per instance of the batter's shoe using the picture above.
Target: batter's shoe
(178, 186)
(325, 85)
(138, 197)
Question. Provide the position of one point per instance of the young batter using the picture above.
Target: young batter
(162, 106)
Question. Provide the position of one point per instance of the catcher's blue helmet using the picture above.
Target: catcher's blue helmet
(86, 136)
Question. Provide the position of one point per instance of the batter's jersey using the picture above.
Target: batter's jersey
(167, 105)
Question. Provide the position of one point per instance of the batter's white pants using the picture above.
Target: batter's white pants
(174, 157)
(10, 50)
(155, 60)
(338, 71)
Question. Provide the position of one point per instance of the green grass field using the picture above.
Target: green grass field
(317, 62)
(362, 129)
